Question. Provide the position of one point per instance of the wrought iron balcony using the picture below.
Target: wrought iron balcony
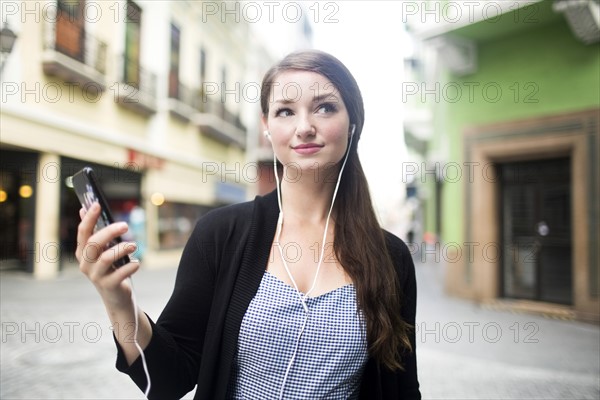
(73, 55)
(136, 89)
(216, 121)
(211, 116)
(184, 102)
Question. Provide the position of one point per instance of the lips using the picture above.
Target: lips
(307, 148)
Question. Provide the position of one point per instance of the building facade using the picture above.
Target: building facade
(511, 161)
(158, 97)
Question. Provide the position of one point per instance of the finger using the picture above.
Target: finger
(85, 228)
(105, 236)
(115, 278)
(117, 252)
(99, 260)
(82, 212)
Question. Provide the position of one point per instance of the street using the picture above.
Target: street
(57, 343)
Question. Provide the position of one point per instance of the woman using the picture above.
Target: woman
(297, 294)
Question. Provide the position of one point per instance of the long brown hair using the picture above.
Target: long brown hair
(359, 242)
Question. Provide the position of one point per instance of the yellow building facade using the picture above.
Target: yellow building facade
(158, 97)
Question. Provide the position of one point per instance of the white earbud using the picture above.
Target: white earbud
(267, 135)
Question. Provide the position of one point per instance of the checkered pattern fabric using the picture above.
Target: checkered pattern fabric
(331, 355)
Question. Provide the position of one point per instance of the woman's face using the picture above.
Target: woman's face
(307, 120)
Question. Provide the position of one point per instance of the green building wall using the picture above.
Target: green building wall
(543, 70)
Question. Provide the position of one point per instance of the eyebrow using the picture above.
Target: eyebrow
(316, 99)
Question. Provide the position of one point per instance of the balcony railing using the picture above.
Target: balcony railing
(216, 121)
(210, 115)
(208, 105)
(136, 87)
(73, 54)
(233, 119)
(184, 101)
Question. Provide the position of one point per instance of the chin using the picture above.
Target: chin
(312, 166)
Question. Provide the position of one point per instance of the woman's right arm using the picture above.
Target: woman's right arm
(173, 345)
(95, 261)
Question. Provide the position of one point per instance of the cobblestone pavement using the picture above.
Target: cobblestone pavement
(470, 352)
(56, 344)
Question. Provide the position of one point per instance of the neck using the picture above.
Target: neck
(309, 198)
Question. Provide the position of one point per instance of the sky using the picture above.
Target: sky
(368, 37)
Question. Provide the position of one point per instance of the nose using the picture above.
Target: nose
(304, 127)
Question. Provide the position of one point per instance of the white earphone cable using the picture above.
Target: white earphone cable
(135, 338)
(304, 296)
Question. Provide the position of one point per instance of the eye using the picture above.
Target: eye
(283, 112)
(326, 108)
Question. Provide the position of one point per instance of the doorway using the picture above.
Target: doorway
(536, 229)
(18, 183)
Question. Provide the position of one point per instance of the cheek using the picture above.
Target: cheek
(343, 146)
(280, 147)
(338, 145)
(279, 128)
(338, 135)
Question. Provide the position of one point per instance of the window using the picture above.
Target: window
(70, 29)
(202, 66)
(174, 62)
(221, 103)
(176, 222)
(132, 45)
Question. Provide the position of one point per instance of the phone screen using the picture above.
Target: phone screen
(88, 192)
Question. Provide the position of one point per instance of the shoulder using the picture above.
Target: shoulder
(227, 215)
(233, 219)
(396, 246)
(405, 270)
(401, 255)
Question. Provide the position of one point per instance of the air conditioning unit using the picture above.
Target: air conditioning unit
(458, 54)
(583, 17)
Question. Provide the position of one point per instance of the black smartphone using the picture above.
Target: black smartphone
(88, 192)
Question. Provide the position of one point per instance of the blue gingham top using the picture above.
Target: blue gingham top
(331, 354)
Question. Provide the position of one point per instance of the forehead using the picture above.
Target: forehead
(295, 84)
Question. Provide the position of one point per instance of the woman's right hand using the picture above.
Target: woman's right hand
(96, 261)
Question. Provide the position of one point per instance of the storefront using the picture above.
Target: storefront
(18, 177)
(23, 209)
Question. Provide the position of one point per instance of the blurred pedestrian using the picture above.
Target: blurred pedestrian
(137, 227)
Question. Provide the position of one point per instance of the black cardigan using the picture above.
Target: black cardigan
(195, 338)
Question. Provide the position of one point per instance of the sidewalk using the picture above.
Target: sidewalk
(470, 352)
(56, 344)
(56, 337)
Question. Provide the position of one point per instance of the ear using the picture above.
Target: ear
(264, 127)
